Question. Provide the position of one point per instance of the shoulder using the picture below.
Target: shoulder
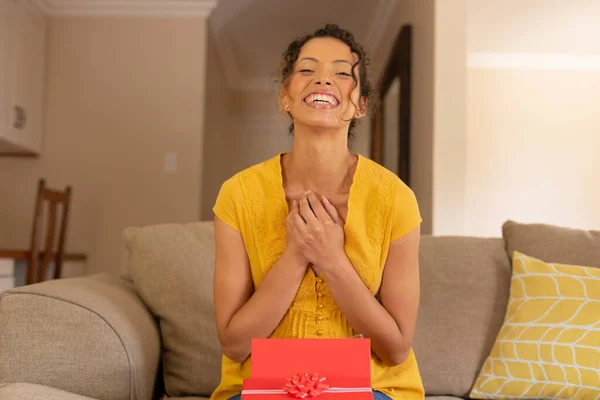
(395, 199)
(255, 175)
(242, 188)
(381, 180)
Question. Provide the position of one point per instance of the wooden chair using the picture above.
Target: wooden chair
(53, 198)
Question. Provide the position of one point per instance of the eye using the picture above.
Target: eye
(344, 74)
(306, 70)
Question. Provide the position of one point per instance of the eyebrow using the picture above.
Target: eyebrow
(315, 60)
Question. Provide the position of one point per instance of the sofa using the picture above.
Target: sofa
(149, 332)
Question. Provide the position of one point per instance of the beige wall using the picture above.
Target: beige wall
(532, 114)
(245, 129)
(217, 131)
(121, 92)
(437, 118)
(421, 16)
(456, 135)
(259, 129)
(449, 150)
(361, 142)
(532, 150)
(422, 139)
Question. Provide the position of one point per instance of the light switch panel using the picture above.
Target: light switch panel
(171, 162)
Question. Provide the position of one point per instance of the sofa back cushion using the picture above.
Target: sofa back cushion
(464, 292)
(553, 244)
(171, 266)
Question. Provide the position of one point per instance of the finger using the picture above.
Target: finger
(299, 224)
(318, 208)
(331, 210)
(295, 214)
(306, 212)
(294, 210)
(299, 214)
(293, 207)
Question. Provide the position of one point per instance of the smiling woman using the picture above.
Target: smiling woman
(319, 242)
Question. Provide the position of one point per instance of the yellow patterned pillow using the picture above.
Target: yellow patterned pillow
(549, 344)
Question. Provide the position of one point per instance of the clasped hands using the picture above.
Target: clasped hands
(315, 232)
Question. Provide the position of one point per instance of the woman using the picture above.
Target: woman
(319, 242)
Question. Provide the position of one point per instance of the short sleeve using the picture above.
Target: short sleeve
(228, 201)
(406, 214)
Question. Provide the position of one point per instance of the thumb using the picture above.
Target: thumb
(331, 210)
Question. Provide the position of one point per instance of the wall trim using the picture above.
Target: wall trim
(533, 61)
(155, 8)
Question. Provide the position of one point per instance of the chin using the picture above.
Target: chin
(321, 124)
(325, 127)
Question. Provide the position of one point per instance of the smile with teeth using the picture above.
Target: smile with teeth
(320, 98)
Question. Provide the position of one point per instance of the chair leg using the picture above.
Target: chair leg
(57, 269)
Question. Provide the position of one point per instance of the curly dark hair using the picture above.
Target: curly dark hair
(290, 56)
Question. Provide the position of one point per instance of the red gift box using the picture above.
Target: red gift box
(325, 369)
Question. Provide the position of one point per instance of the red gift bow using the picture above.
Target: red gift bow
(305, 385)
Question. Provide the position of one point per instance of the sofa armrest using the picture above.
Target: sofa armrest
(90, 336)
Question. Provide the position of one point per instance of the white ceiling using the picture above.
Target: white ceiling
(251, 35)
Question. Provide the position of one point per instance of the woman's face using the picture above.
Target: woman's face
(321, 92)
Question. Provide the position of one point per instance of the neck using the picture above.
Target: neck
(319, 161)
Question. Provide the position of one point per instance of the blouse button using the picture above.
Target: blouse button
(320, 332)
(320, 306)
(320, 318)
(319, 294)
(319, 280)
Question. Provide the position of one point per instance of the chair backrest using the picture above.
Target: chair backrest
(38, 262)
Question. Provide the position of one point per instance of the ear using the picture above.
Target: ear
(362, 107)
(284, 101)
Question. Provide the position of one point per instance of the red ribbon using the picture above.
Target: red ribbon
(305, 385)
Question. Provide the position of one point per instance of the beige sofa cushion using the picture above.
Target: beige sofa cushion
(90, 335)
(464, 291)
(553, 244)
(30, 391)
(172, 268)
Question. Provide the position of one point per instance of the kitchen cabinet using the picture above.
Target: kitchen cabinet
(23, 33)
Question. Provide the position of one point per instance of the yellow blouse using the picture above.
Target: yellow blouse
(381, 208)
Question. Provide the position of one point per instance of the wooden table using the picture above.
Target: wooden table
(13, 265)
(24, 255)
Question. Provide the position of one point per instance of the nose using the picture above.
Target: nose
(323, 78)
(323, 81)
